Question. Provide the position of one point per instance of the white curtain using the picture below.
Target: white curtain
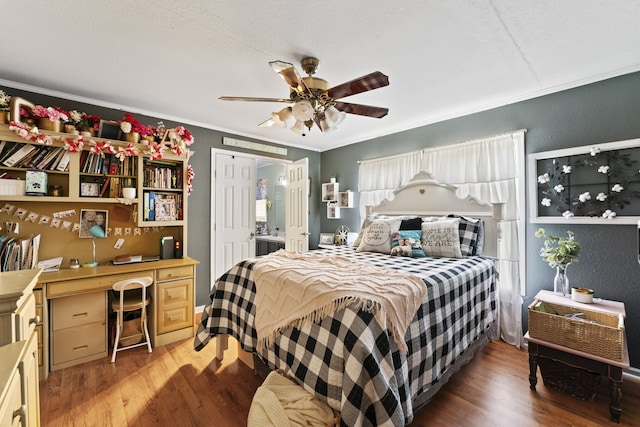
(489, 169)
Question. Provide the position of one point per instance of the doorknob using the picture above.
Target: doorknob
(305, 234)
(252, 235)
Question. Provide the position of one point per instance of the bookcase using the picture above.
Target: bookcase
(82, 180)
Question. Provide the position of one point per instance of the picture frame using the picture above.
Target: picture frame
(165, 210)
(326, 239)
(89, 189)
(91, 217)
(333, 210)
(109, 129)
(576, 185)
(330, 191)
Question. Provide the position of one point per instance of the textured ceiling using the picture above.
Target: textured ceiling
(444, 59)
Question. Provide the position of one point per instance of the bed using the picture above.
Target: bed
(350, 359)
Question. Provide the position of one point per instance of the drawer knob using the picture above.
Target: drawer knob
(35, 320)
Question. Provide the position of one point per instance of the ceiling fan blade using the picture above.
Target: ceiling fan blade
(371, 81)
(362, 110)
(290, 75)
(247, 98)
(267, 123)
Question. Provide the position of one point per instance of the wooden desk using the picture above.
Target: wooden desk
(76, 308)
(575, 358)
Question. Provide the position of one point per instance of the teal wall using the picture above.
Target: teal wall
(600, 112)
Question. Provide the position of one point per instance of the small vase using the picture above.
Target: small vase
(561, 281)
(132, 137)
(46, 124)
(69, 128)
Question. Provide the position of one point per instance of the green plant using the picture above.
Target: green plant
(558, 251)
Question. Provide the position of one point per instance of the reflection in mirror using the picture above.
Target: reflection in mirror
(272, 174)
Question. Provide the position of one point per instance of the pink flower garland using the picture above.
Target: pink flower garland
(71, 145)
(101, 148)
(190, 176)
(125, 152)
(30, 134)
(155, 151)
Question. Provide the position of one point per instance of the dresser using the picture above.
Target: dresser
(19, 394)
(77, 314)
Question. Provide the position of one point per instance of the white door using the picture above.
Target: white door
(234, 206)
(297, 206)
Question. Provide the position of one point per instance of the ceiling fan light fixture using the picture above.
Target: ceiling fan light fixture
(283, 118)
(326, 124)
(298, 127)
(303, 110)
(335, 115)
(276, 120)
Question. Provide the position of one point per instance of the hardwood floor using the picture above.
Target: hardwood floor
(176, 386)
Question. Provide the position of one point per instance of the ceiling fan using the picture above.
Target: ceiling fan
(314, 101)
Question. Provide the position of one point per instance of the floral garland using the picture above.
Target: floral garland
(190, 176)
(130, 150)
(619, 170)
(30, 133)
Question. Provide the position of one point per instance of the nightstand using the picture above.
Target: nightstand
(576, 362)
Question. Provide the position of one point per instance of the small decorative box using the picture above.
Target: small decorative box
(36, 183)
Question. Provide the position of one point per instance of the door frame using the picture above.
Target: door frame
(212, 197)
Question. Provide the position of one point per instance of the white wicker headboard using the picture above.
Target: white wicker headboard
(426, 197)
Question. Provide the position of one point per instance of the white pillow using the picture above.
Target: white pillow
(377, 236)
(441, 238)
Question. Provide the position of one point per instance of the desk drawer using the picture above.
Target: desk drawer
(102, 283)
(82, 341)
(174, 319)
(174, 273)
(78, 310)
(178, 292)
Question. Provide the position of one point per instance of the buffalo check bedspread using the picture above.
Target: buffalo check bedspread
(349, 360)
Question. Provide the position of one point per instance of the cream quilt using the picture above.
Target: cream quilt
(295, 288)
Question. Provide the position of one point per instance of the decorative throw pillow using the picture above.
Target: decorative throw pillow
(411, 224)
(441, 238)
(407, 243)
(377, 236)
(471, 235)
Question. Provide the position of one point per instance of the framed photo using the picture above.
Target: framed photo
(165, 210)
(89, 189)
(333, 211)
(109, 129)
(330, 192)
(326, 239)
(91, 217)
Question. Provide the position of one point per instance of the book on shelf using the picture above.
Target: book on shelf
(19, 154)
(64, 162)
(56, 161)
(9, 149)
(27, 161)
(105, 186)
(50, 158)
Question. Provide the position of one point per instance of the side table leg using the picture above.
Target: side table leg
(615, 392)
(533, 365)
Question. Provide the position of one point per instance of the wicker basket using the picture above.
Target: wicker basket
(600, 334)
(131, 333)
